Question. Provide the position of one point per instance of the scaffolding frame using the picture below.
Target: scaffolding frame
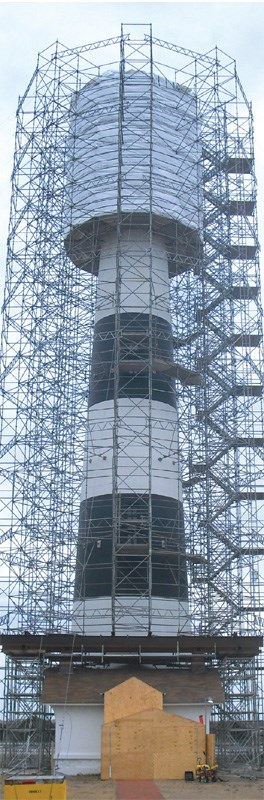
(47, 339)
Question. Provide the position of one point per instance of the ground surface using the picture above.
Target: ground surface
(83, 788)
(92, 788)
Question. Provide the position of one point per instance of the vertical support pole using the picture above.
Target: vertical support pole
(150, 339)
(116, 508)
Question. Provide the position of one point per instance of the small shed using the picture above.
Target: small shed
(142, 741)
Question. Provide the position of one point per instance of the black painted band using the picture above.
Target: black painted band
(134, 339)
(94, 550)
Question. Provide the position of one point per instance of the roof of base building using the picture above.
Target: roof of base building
(85, 686)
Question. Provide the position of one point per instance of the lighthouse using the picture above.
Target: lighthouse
(132, 399)
(133, 168)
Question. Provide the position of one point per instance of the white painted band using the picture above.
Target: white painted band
(168, 616)
(143, 276)
(147, 446)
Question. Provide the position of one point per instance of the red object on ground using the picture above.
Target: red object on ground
(137, 790)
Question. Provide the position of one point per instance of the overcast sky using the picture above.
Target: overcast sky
(27, 28)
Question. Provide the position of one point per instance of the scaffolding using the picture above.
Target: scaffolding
(48, 323)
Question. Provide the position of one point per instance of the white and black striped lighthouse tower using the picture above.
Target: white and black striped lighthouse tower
(134, 174)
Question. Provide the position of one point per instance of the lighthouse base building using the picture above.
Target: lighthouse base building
(183, 721)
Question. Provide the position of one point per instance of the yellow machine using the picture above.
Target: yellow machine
(35, 787)
(204, 773)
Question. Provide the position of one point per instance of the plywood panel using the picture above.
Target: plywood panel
(130, 697)
(106, 753)
(129, 766)
(210, 749)
(151, 745)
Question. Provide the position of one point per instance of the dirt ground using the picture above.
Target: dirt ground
(92, 788)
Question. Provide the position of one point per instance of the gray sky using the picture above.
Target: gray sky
(27, 28)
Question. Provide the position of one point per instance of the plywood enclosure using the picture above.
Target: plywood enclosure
(130, 697)
(151, 744)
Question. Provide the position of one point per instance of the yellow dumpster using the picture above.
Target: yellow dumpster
(35, 787)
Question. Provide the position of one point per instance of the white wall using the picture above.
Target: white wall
(192, 711)
(78, 739)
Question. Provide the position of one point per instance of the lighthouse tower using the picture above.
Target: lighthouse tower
(133, 167)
